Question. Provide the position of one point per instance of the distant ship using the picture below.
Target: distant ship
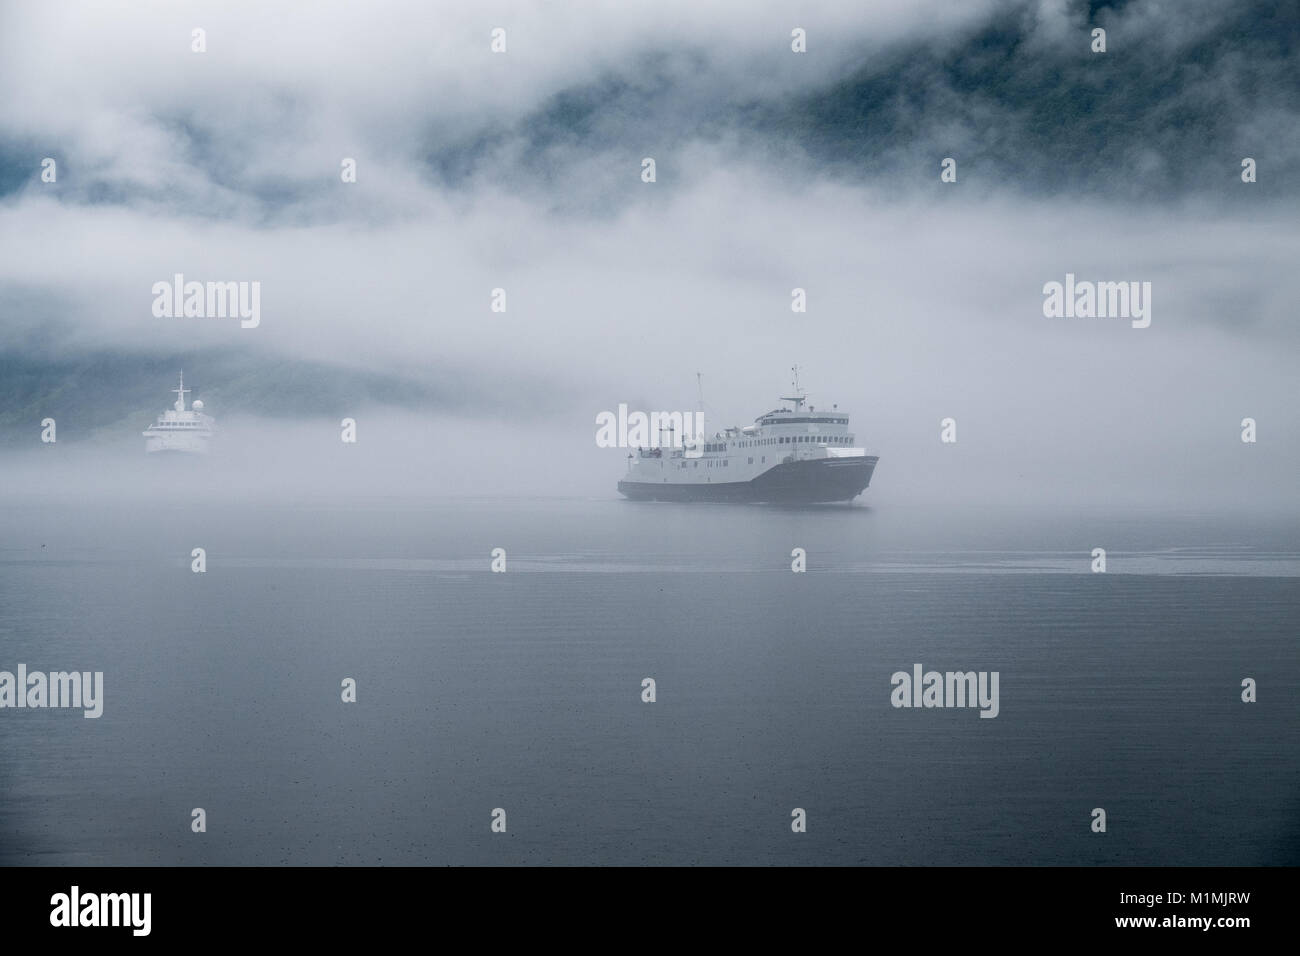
(796, 455)
(180, 429)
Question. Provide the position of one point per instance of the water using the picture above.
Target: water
(523, 690)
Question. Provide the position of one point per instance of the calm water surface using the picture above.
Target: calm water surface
(522, 690)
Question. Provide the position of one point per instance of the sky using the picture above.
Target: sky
(775, 170)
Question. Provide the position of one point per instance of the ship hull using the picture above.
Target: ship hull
(819, 480)
(176, 444)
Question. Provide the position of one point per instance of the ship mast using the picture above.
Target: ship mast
(798, 397)
(180, 391)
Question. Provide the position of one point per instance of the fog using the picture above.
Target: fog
(522, 172)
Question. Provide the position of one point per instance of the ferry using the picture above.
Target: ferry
(792, 454)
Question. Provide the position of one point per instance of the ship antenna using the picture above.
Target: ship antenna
(798, 396)
(180, 391)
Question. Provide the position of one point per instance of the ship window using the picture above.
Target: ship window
(751, 459)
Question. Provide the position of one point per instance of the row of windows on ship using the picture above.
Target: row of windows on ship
(801, 421)
(176, 424)
(717, 447)
(819, 439)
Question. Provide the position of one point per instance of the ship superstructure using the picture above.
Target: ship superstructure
(180, 429)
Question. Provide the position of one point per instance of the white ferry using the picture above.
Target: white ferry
(180, 429)
(792, 454)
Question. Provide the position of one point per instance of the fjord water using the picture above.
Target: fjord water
(522, 691)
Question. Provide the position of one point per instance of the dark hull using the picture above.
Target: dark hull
(805, 482)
